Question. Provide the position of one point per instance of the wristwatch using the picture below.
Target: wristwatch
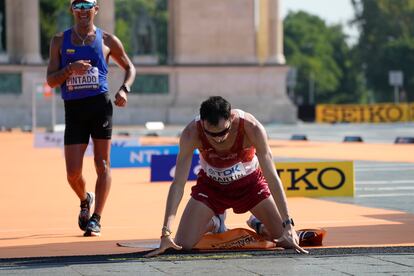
(126, 88)
(287, 222)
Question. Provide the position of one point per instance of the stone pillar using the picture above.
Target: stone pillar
(106, 16)
(171, 31)
(261, 11)
(13, 48)
(23, 31)
(276, 54)
(214, 32)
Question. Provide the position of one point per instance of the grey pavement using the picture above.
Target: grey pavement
(385, 261)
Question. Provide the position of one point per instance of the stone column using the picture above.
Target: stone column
(23, 31)
(171, 31)
(12, 22)
(214, 32)
(276, 54)
(106, 16)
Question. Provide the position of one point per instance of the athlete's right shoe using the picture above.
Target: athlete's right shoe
(85, 211)
(307, 237)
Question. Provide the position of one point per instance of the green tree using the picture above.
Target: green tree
(321, 52)
(386, 43)
(128, 11)
(54, 17)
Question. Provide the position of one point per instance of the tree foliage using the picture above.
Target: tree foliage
(320, 52)
(128, 11)
(52, 16)
(386, 43)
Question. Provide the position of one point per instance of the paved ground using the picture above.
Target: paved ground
(372, 261)
(384, 185)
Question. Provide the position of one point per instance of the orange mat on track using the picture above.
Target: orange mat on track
(39, 210)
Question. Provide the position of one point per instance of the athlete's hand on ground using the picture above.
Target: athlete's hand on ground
(80, 67)
(121, 98)
(290, 239)
(166, 243)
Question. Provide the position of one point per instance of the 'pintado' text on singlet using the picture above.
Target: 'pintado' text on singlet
(89, 80)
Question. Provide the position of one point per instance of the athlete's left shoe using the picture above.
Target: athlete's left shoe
(219, 225)
(93, 228)
(85, 211)
(311, 237)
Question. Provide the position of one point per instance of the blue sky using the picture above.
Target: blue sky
(332, 11)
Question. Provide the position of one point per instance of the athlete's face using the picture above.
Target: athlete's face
(220, 132)
(84, 12)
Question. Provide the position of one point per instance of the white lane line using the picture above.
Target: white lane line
(387, 195)
(386, 189)
(389, 165)
(384, 182)
(376, 169)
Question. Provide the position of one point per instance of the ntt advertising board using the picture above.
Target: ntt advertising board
(135, 157)
(304, 179)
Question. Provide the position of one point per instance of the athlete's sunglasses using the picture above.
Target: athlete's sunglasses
(218, 134)
(83, 6)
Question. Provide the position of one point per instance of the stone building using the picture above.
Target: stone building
(232, 48)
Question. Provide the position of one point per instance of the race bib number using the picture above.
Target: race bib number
(226, 175)
(89, 80)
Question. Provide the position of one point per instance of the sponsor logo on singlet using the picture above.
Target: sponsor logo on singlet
(89, 80)
(226, 175)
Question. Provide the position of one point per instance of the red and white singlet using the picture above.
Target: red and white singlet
(230, 179)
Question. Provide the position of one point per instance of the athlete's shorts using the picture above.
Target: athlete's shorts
(86, 117)
(241, 195)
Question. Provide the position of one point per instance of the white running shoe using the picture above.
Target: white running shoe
(255, 224)
(219, 226)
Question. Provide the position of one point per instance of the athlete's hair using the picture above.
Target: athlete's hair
(215, 108)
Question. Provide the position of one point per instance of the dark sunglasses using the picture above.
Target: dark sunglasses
(218, 134)
(83, 6)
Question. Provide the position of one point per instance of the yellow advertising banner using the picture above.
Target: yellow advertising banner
(317, 179)
(371, 113)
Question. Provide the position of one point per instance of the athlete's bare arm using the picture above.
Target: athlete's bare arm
(56, 76)
(258, 137)
(117, 52)
(188, 141)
